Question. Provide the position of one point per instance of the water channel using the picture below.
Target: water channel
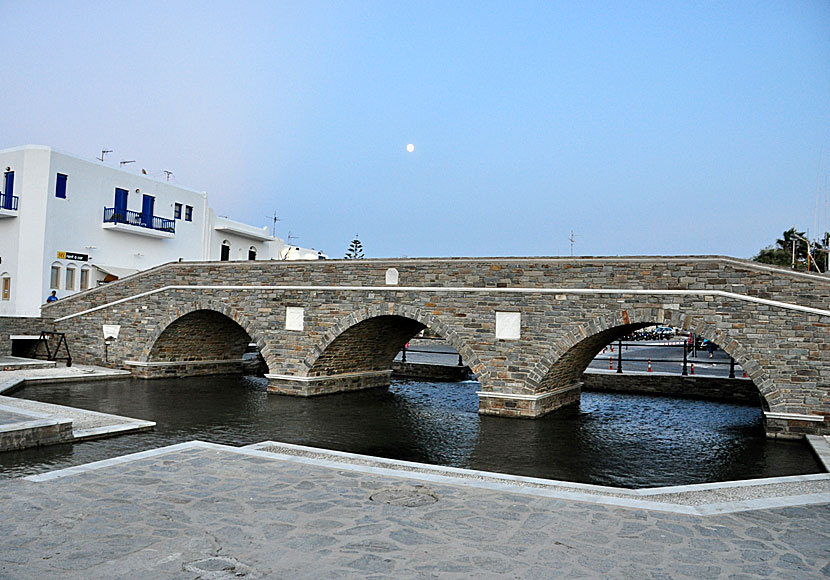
(609, 439)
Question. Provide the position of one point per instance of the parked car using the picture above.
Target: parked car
(662, 332)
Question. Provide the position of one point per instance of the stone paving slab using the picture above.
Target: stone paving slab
(202, 510)
(7, 416)
(13, 363)
(821, 447)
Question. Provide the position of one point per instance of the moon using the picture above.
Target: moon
(410, 147)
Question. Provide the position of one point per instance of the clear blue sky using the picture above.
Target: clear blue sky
(644, 127)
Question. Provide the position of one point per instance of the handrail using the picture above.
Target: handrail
(406, 349)
(6, 204)
(137, 218)
(680, 344)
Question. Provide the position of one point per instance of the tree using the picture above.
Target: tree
(355, 251)
(781, 254)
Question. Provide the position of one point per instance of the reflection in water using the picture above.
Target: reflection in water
(610, 439)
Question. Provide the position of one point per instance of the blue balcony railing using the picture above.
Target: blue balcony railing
(136, 218)
(8, 201)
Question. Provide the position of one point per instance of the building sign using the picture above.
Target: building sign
(73, 256)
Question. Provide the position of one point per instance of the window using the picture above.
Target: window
(177, 211)
(70, 277)
(85, 278)
(226, 251)
(55, 282)
(60, 186)
(252, 253)
(188, 213)
(7, 285)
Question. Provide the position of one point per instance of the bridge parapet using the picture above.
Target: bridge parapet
(632, 273)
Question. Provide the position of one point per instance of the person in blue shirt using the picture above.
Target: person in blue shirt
(52, 298)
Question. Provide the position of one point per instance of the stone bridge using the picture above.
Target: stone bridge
(527, 327)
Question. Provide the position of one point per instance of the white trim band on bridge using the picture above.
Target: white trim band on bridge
(523, 397)
(794, 417)
(327, 377)
(138, 363)
(479, 290)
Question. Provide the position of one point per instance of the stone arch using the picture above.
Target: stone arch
(217, 315)
(399, 322)
(565, 362)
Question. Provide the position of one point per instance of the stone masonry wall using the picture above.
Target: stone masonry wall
(15, 325)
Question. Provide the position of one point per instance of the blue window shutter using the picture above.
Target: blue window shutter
(147, 210)
(60, 186)
(8, 191)
(121, 203)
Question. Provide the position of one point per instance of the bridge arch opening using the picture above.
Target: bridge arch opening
(359, 351)
(202, 341)
(573, 356)
(369, 345)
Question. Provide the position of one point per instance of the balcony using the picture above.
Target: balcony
(135, 222)
(8, 205)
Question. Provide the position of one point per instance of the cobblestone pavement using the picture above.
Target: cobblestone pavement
(202, 511)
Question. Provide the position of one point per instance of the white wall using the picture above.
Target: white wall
(46, 225)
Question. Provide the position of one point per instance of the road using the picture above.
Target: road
(666, 357)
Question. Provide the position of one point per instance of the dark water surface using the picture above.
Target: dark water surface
(609, 439)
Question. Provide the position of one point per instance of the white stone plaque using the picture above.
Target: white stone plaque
(294, 317)
(111, 330)
(392, 276)
(508, 325)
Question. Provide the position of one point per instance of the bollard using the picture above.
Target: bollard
(611, 362)
(649, 365)
(693, 368)
(744, 374)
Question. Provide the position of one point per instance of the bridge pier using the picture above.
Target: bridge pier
(794, 425)
(180, 369)
(326, 385)
(527, 406)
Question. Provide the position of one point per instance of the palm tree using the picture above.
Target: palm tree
(781, 254)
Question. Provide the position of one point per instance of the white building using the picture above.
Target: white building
(67, 224)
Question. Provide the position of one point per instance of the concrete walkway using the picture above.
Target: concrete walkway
(200, 510)
(12, 379)
(26, 424)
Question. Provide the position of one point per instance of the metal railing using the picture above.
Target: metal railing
(686, 363)
(8, 201)
(139, 219)
(406, 349)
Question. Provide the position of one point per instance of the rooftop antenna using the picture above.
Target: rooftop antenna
(274, 219)
(103, 152)
(123, 163)
(289, 237)
(572, 239)
(168, 174)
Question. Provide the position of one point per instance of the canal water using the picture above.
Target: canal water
(609, 439)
